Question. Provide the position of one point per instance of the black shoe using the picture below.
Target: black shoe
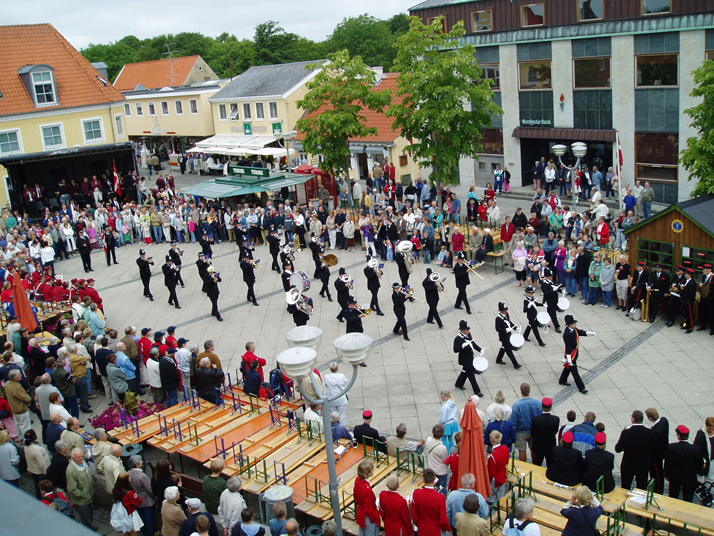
(701, 329)
(441, 326)
(380, 313)
(517, 366)
(462, 388)
(182, 286)
(468, 312)
(178, 307)
(458, 308)
(618, 307)
(501, 362)
(558, 330)
(256, 304)
(329, 299)
(567, 384)
(670, 324)
(652, 320)
(584, 391)
(479, 394)
(340, 319)
(527, 340)
(395, 332)
(406, 338)
(363, 364)
(151, 298)
(541, 344)
(91, 270)
(429, 322)
(86, 410)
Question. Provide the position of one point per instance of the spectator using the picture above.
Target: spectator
(111, 466)
(73, 438)
(213, 486)
(277, 524)
(9, 460)
(54, 431)
(469, 522)
(101, 447)
(170, 377)
(638, 445)
(585, 433)
(599, 463)
(339, 431)
(394, 510)
(42, 397)
(455, 500)
(365, 501)
(207, 378)
(544, 430)
(141, 484)
(19, 402)
(57, 471)
(524, 411)
(249, 356)
(117, 378)
(80, 487)
(582, 511)
(567, 464)
(231, 504)
(523, 519)
(123, 493)
(506, 429)
(246, 526)
(253, 379)
(429, 507)
(705, 441)
(208, 351)
(499, 401)
(188, 527)
(364, 430)
(335, 382)
(497, 467)
(172, 515)
(436, 456)
(683, 462)
(401, 443)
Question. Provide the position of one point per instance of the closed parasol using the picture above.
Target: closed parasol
(23, 308)
(472, 457)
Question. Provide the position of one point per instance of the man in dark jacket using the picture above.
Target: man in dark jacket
(683, 463)
(57, 471)
(660, 426)
(170, 377)
(85, 250)
(53, 432)
(566, 463)
(110, 246)
(365, 430)
(599, 463)
(208, 379)
(638, 444)
(144, 263)
(585, 433)
(544, 431)
(171, 276)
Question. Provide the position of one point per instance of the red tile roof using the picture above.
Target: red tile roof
(385, 134)
(35, 44)
(155, 74)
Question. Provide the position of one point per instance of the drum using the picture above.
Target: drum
(543, 320)
(517, 341)
(563, 305)
(300, 280)
(636, 314)
(480, 364)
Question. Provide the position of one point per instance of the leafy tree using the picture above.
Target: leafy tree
(337, 98)
(365, 36)
(273, 44)
(698, 157)
(438, 75)
(399, 24)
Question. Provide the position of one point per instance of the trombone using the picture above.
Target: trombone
(410, 294)
(471, 269)
(366, 313)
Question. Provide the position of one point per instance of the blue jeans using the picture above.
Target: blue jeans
(89, 381)
(584, 287)
(607, 297)
(571, 285)
(82, 393)
(179, 235)
(171, 397)
(427, 255)
(594, 294)
(147, 516)
(70, 404)
(499, 186)
(441, 483)
(563, 189)
(647, 209)
(193, 236)
(157, 232)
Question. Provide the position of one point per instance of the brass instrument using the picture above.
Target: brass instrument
(347, 280)
(150, 260)
(465, 263)
(436, 278)
(410, 294)
(374, 265)
(296, 240)
(646, 306)
(366, 313)
(254, 263)
(295, 297)
(330, 260)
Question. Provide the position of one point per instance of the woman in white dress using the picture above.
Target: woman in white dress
(68, 234)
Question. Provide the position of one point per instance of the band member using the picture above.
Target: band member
(529, 308)
(286, 255)
(202, 266)
(288, 271)
(212, 280)
(638, 287)
(399, 298)
(248, 267)
(175, 254)
(431, 291)
(550, 297)
(403, 259)
(85, 250)
(144, 263)
(353, 314)
(205, 241)
(246, 250)
(373, 274)
(464, 345)
(505, 327)
(274, 242)
(90, 291)
(317, 252)
(675, 300)
(657, 286)
(323, 274)
(110, 245)
(300, 317)
(171, 280)
(342, 286)
(706, 303)
(462, 279)
(688, 296)
(571, 338)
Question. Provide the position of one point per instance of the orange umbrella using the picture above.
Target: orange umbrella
(472, 456)
(23, 309)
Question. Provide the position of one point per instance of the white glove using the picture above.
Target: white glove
(464, 345)
(591, 333)
(482, 352)
(509, 330)
(519, 329)
(569, 360)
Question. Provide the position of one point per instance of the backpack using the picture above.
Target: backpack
(65, 507)
(120, 519)
(276, 381)
(265, 392)
(510, 528)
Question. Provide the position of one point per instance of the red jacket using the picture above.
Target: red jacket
(483, 212)
(131, 502)
(52, 495)
(458, 241)
(507, 232)
(172, 341)
(145, 346)
(94, 295)
(366, 502)
(604, 233)
(249, 357)
(395, 514)
(429, 512)
(453, 463)
(498, 464)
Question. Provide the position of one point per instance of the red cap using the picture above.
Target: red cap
(568, 437)
(641, 263)
(681, 429)
(547, 402)
(367, 414)
(600, 438)
(90, 280)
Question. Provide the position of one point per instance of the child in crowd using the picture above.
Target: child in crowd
(442, 255)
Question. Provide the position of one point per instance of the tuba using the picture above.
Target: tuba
(295, 297)
(437, 279)
(347, 280)
(374, 265)
(405, 247)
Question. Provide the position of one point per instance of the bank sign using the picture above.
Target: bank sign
(536, 123)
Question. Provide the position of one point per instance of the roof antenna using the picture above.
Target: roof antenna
(171, 62)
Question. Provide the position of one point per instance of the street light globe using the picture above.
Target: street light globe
(579, 149)
(353, 348)
(558, 150)
(297, 363)
(304, 336)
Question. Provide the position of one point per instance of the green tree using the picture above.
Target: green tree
(273, 44)
(698, 157)
(337, 98)
(365, 36)
(438, 75)
(398, 24)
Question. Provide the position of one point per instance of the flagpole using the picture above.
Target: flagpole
(619, 168)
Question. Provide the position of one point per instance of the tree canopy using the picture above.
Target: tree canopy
(438, 76)
(698, 157)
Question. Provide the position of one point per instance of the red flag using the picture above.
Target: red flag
(117, 187)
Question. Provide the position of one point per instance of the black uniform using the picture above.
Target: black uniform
(638, 288)
(688, 296)
(85, 251)
(566, 466)
(398, 301)
(706, 309)
(571, 338)
(544, 431)
(171, 280)
(503, 323)
(300, 317)
(659, 283)
(373, 284)
(323, 274)
(249, 278)
(316, 252)
(110, 248)
(402, 261)
(599, 462)
(529, 308)
(431, 291)
(274, 242)
(202, 266)
(213, 292)
(464, 346)
(683, 463)
(285, 278)
(550, 297)
(176, 258)
(285, 259)
(205, 243)
(462, 280)
(638, 444)
(343, 294)
(145, 274)
(675, 301)
(661, 430)
(354, 322)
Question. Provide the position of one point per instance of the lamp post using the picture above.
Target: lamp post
(579, 149)
(286, 137)
(298, 362)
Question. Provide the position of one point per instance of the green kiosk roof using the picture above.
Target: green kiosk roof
(244, 181)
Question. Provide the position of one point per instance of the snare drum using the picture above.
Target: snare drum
(517, 341)
(543, 320)
(481, 365)
(300, 280)
(563, 305)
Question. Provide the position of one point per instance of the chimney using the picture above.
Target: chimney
(101, 67)
(379, 71)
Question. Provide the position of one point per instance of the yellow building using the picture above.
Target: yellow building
(60, 119)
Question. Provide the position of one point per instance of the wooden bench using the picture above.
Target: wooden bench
(497, 256)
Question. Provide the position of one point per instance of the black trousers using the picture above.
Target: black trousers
(250, 295)
(675, 304)
(634, 299)
(506, 349)
(640, 480)
(704, 312)
(401, 324)
(374, 304)
(657, 472)
(113, 253)
(276, 265)
(434, 314)
(325, 288)
(688, 311)
(567, 371)
(655, 302)
(534, 328)
(686, 489)
(180, 279)
(538, 457)
(86, 260)
(462, 298)
(404, 277)
(552, 308)
(146, 280)
(173, 298)
(470, 374)
(343, 306)
(214, 304)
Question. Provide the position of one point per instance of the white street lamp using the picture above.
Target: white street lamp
(286, 137)
(579, 150)
(308, 336)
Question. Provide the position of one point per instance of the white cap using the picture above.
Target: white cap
(193, 503)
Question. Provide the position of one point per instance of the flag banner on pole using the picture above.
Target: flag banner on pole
(117, 186)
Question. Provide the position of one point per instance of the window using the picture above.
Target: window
(533, 15)
(139, 109)
(657, 70)
(653, 252)
(592, 109)
(273, 109)
(482, 21)
(179, 107)
(259, 111)
(234, 112)
(656, 156)
(193, 105)
(44, 88)
(656, 7)
(222, 115)
(535, 75)
(119, 122)
(93, 131)
(591, 73)
(127, 110)
(52, 136)
(710, 55)
(247, 116)
(152, 109)
(164, 107)
(492, 72)
(695, 257)
(590, 10)
(432, 20)
(10, 142)
(482, 166)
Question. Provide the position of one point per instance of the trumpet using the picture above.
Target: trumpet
(437, 279)
(180, 252)
(255, 263)
(150, 260)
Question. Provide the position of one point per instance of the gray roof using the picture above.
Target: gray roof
(701, 210)
(266, 80)
(439, 3)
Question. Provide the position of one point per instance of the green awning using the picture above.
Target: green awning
(232, 186)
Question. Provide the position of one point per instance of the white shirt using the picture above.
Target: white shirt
(59, 409)
(334, 383)
(152, 369)
(229, 508)
(47, 254)
(183, 358)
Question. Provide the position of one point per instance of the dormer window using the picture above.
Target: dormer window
(40, 82)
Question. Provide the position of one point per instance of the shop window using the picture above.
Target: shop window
(179, 107)
(52, 136)
(695, 257)
(493, 73)
(591, 73)
(653, 252)
(273, 110)
(656, 7)
(482, 21)
(152, 109)
(710, 55)
(535, 75)
(432, 20)
(657, 70)
(259, 111)
(139, 109)
(590, 10)
(657, 148)
(10, 142)
(532, 15)
(492, 140)
(247, 115)
(127, 110)
(193, 106)
(234, 112)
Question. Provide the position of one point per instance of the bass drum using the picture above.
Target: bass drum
(543, 320)
(563, 305)
(517, 341)
(300, 280)
(481, 365)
